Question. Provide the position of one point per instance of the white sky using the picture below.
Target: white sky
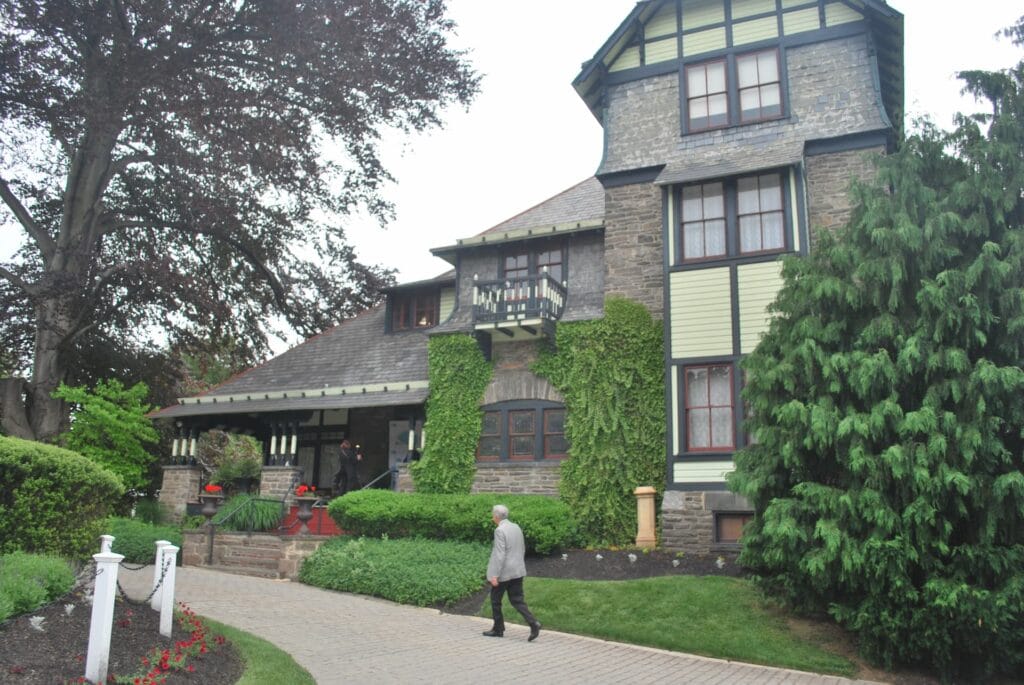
(529, 136)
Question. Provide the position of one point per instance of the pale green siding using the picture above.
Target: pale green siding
(663, 23)
(747, 8)
(662, 50)
(752, 31)
(799, 21)
(629, 59)
(704, 41)
(447, 303)
(838, 13)
(701, 471)
(701, 313)
(786, 4)
(702, 13)
(758, 286)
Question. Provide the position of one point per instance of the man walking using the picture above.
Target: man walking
(505, 571)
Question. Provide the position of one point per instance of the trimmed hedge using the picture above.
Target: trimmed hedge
(53, 500)
(136, 539)
(28, 581)
(418, 572)
(546, 522)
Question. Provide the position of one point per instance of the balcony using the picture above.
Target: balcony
(519, 308)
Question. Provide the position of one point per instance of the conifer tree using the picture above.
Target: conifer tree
(887, 401)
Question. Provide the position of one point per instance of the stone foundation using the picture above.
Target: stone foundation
(179, 488)
(533, 478)
(688, 520)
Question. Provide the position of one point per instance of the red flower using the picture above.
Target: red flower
(303, 489)
(213, 489)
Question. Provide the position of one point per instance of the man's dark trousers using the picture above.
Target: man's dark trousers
(515, 597)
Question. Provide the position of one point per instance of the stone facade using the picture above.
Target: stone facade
(179, 488)
(278, 482)
(634, 256)
(828, 186)
(533, 478)
(688, 519)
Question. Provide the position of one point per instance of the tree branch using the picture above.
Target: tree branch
(17, 281)
(42, 240)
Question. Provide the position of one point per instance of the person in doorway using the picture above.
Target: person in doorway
(505, 572)
(347, 477)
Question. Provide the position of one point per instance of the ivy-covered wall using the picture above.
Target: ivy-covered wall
(459, 374)
(611, 372)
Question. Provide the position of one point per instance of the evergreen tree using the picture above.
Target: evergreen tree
(887, 405)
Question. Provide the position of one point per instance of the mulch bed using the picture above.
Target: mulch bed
(57, 653)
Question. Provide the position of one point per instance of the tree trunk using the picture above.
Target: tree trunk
(47, 415)
(13, 419)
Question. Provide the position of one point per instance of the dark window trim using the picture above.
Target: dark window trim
(782, 91)
(738, 409)
(732, 446)
(532, 250)
(733, 116)
(412, 300)
(504, 411)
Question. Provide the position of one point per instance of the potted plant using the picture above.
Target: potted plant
(305, 497)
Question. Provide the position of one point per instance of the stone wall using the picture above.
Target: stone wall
(688, 519)
(261, 554)
(534, 478)
(180, 487)
(828, 186)
(634, 262)
(278, 482)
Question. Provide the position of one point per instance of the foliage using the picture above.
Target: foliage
(53, 500)
(886, 397)
(109, 426)
(241, 456)
(249, 512)
(459, 374)
(185, 166)
(264, 663)
(28, 581)
(148, 511)
(611, 372)
(181, 656)
(136, 539)
(418, 572)
(546, 522)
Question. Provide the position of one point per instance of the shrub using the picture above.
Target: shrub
(53, 500)
(248, 512)
(148, 510)
(136, 539)
(28, 581)
(412, 571)
(546, 522)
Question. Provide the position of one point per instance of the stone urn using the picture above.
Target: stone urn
(305, 511)
(211, 503)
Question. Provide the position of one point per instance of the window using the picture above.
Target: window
(729, 527)
(759, 86)
(703, 221)
(739, 216)
(521, 265)
(710, 424)
(420, 310)
(707, 97)
(523, 431)
(752, 83)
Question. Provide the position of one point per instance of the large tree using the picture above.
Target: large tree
(179, 166)
(887, 403)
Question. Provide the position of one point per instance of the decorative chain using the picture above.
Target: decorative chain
(159, 584)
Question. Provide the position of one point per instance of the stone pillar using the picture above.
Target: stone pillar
(405, 483)
(645, 535)
(180, 487)
(278, 482)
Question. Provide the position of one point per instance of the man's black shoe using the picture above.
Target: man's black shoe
(534, 632)
(493, 633)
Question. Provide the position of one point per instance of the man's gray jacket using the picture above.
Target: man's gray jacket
(508, 553)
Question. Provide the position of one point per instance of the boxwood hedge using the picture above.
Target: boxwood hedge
(546, 522)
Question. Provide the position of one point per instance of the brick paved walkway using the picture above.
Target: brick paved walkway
(343, 638)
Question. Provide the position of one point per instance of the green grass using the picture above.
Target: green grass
(264, 663)
(713, 616)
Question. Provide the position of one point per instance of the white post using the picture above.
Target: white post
(98, 655)
(167, 602)
(158, 572)
(106, 541)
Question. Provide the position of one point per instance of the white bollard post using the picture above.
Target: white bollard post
(100, 626)
(167, 590)
(158, 565)
(106, 541)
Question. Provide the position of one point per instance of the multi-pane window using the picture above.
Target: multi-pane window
(523, 431)
(703, 221)
(752, 81)
(421, 310)
(519, 265)
(737, 216)
(760, 89)
(707, 96)
(710, 412)
(759, 208)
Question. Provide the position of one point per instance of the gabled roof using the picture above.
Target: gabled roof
(354, 364)
(579, 208)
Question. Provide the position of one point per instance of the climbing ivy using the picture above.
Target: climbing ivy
(611, 373)
(459, 374)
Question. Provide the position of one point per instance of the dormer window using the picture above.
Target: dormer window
(415, 310)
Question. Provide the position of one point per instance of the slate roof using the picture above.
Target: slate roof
(352, 355)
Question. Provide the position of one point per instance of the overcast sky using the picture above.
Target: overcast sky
(528, 136)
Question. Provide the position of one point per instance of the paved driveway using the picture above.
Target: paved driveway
(343, 638)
